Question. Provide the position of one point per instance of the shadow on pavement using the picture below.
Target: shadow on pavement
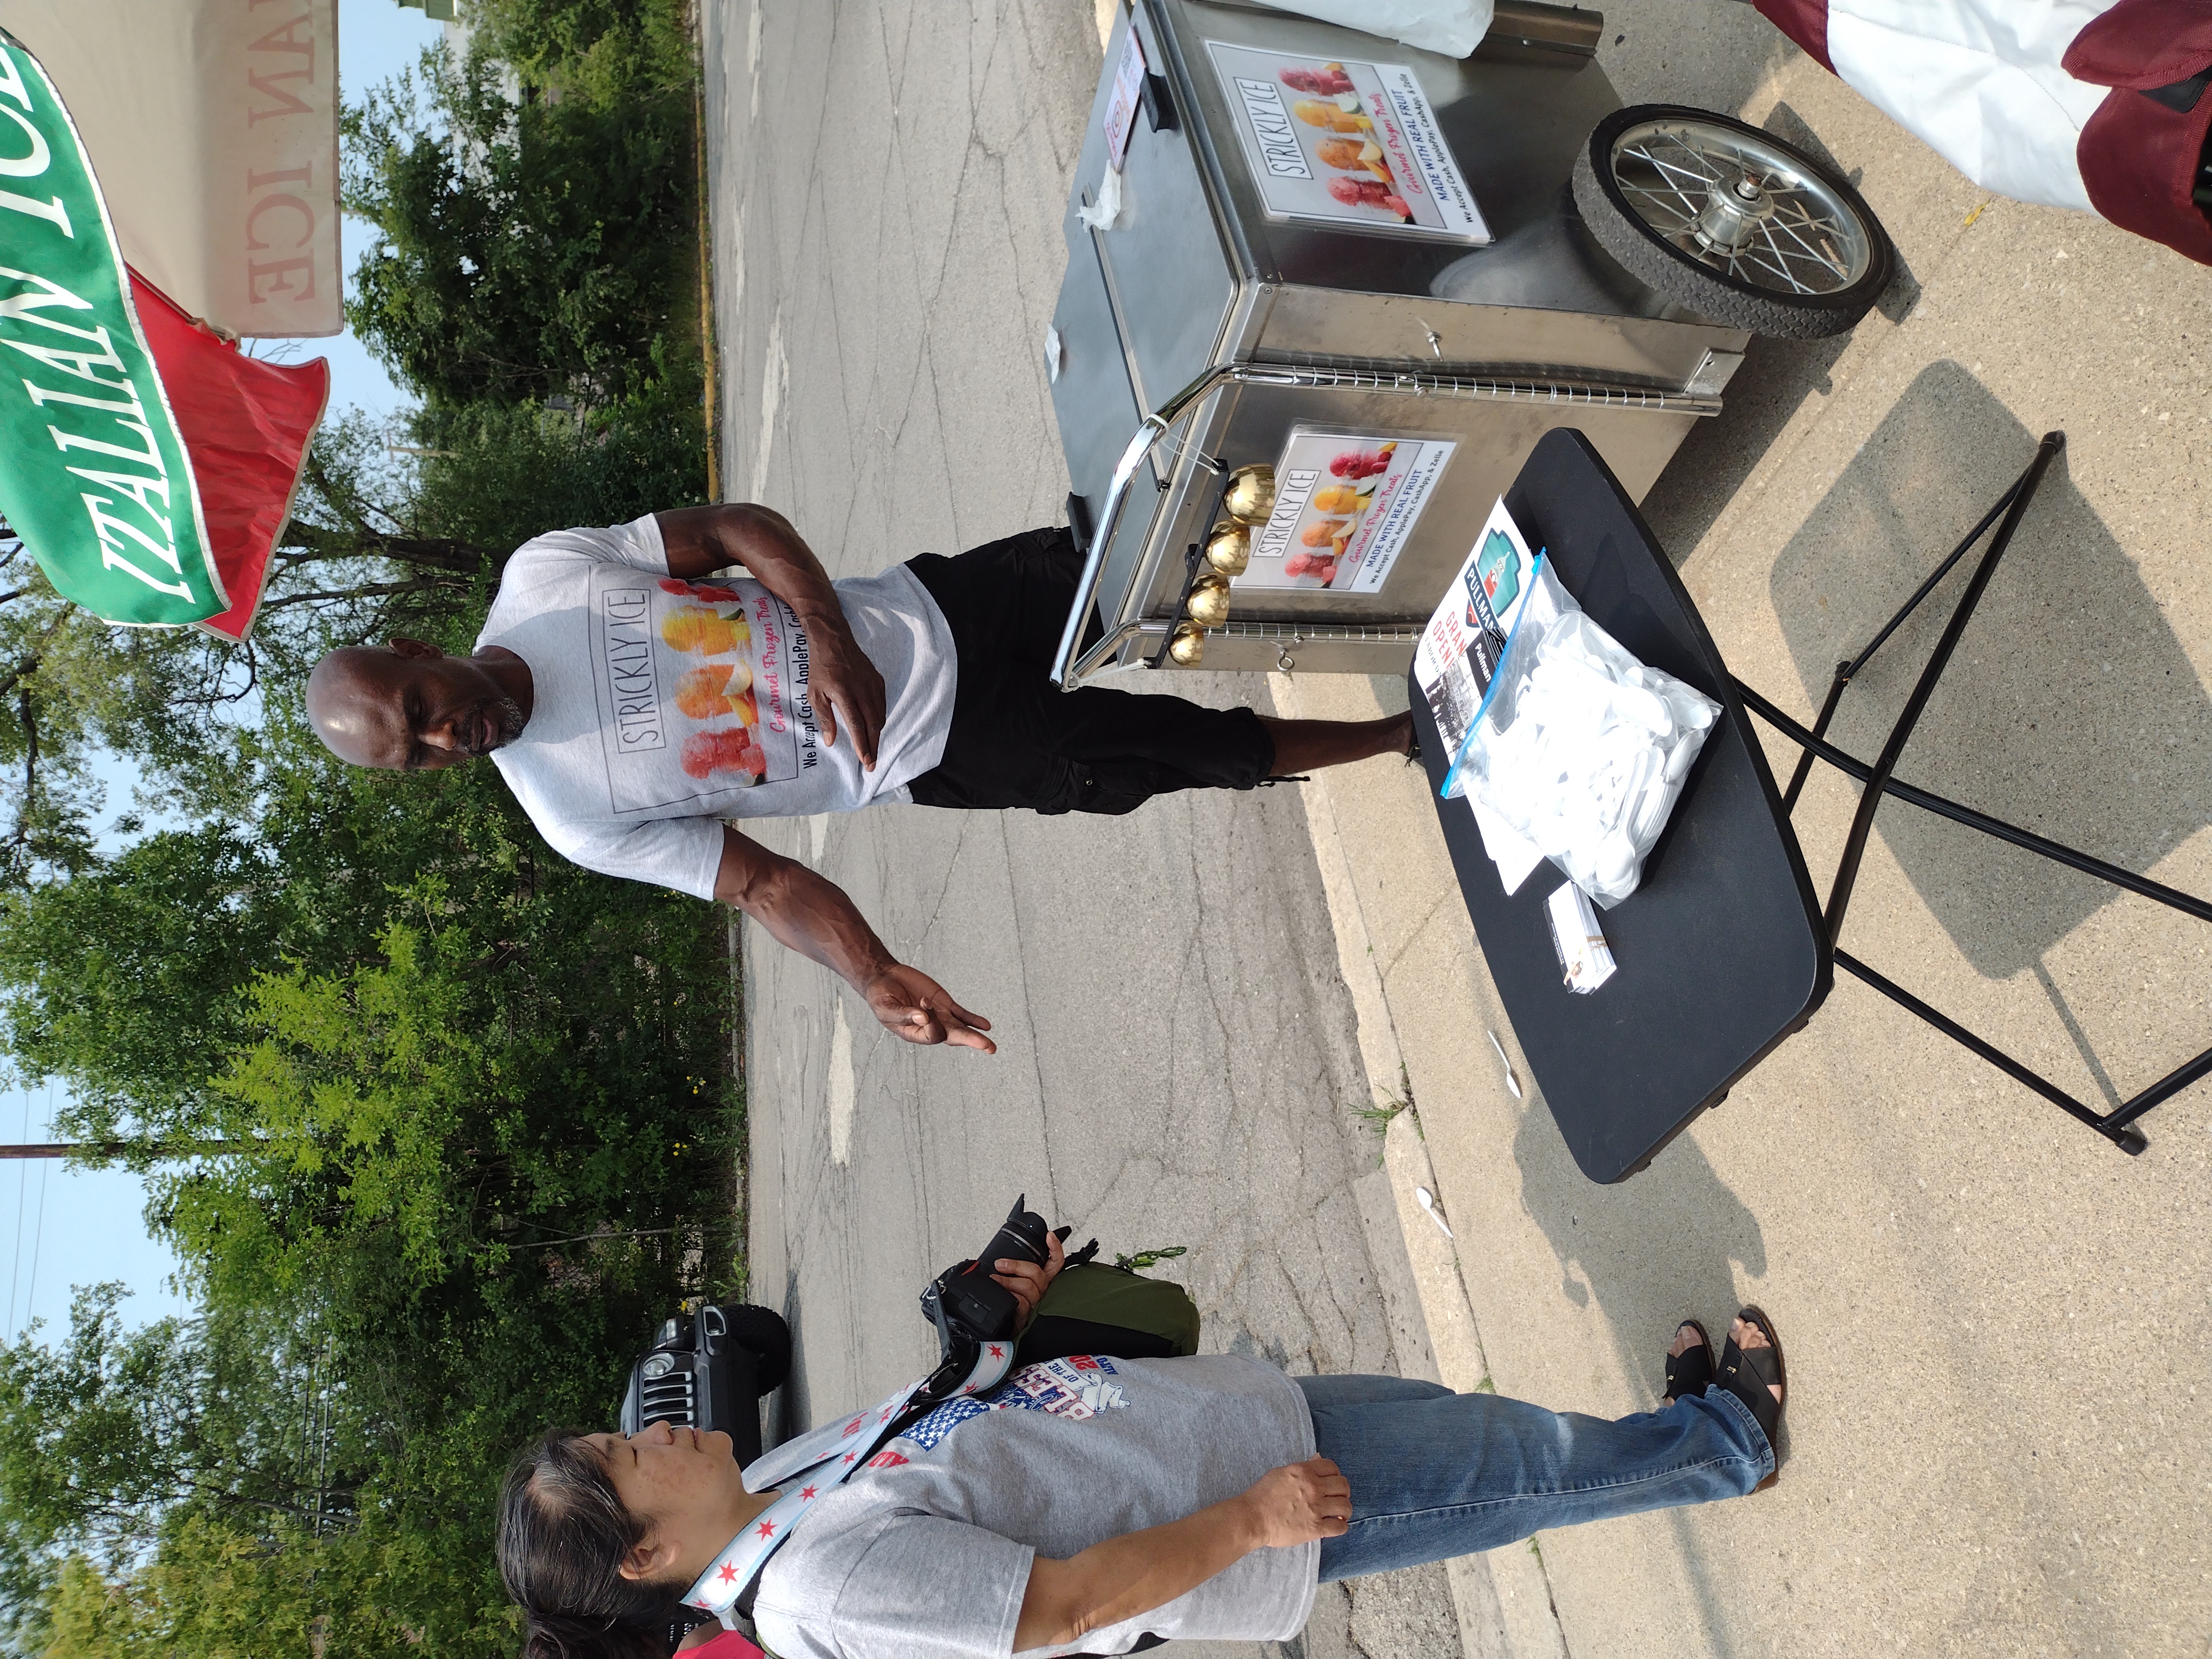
(2064, 707)
(790, 1414)
(1651, 1253)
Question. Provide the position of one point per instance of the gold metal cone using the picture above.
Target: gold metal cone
(1209, 601)
(1188, 647)
(1228, 548)
(1251, 495)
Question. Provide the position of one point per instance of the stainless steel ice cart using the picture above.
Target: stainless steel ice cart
(1337, 289)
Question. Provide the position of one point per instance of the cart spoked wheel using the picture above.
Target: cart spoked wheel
(1731, 222)
(762, 1332)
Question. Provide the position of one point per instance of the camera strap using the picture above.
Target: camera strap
(809, 1467)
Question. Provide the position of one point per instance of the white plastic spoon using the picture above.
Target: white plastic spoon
(1511, 1081)
(1429, 1203)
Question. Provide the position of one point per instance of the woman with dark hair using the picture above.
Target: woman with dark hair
(564, 1533)
(1085, 1504)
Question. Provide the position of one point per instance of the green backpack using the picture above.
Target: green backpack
(1092, 1307)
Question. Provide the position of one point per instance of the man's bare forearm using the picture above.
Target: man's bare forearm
(700, 540)
(810, 914)
(1132, 1574)
(813, 916)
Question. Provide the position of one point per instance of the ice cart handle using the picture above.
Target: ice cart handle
(1065, 669)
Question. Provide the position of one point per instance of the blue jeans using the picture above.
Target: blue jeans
(1436, 1474)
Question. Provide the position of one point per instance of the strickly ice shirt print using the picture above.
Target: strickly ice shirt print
(662, 707)
(715, 672)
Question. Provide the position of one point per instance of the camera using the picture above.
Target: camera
(969, 1307)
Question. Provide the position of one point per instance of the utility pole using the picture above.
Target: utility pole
(125, 1148)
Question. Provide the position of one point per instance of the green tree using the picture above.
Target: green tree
(483, 1098)
(226, 1592)
(70, 686)
(603, 52)
(108, 1435)
(527, 247)
(491, 1134)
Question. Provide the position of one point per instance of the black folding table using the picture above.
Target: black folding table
(1723, 950)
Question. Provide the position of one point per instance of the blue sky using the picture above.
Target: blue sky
(59, 1227)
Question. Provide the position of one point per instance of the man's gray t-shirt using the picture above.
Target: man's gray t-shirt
(659, 707)
(925, 1553)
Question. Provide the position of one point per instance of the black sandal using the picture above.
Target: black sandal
(1749, 1374)
(1690, 1371)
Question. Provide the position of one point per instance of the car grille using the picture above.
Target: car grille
(669, 1398)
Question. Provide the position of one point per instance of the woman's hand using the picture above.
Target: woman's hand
(1297, 1503)
(1026, 1280)
(1121, 1578)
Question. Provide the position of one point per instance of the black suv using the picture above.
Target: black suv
(708, 1369)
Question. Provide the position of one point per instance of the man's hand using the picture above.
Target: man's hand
(1026, 1280)
(1298, 1502)
(915, 1007)
(842, 684)
(817, 918)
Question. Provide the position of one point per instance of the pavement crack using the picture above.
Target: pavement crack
(1029, 1018)
(1389, 963)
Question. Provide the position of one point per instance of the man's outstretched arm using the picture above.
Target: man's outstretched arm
(1125, 1576)
(814, 917)
(700, 540)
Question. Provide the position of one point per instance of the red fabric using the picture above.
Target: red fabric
(2139, 159)
(730, 1645)
(2143, 44)
(245, 424)
(1805, 21)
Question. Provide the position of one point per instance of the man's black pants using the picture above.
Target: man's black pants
(1019, 740)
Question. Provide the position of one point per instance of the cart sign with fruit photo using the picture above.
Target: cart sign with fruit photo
(1350, 143)
(1345, 504)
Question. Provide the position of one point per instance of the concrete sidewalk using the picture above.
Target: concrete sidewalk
(1997, 1323)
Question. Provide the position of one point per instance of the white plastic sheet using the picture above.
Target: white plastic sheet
(1581, 750)
(1103, 211)
(1980, 81)
(1453, 27)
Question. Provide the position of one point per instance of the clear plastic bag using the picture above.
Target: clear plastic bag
(1579, 748)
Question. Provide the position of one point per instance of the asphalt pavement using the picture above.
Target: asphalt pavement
(1177, 1065)
(1997, 1323)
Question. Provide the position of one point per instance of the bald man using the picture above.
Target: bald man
(634, 705)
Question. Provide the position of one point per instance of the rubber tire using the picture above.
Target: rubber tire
(1722, 299)
(763, 1334)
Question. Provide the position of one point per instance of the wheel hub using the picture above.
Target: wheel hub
(1737, 205)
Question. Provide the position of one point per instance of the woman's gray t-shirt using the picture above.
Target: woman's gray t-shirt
(925, 1553)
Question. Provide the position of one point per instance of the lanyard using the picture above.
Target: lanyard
(825, 1458)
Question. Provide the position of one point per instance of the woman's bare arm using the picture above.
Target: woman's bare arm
(1125, 1576)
